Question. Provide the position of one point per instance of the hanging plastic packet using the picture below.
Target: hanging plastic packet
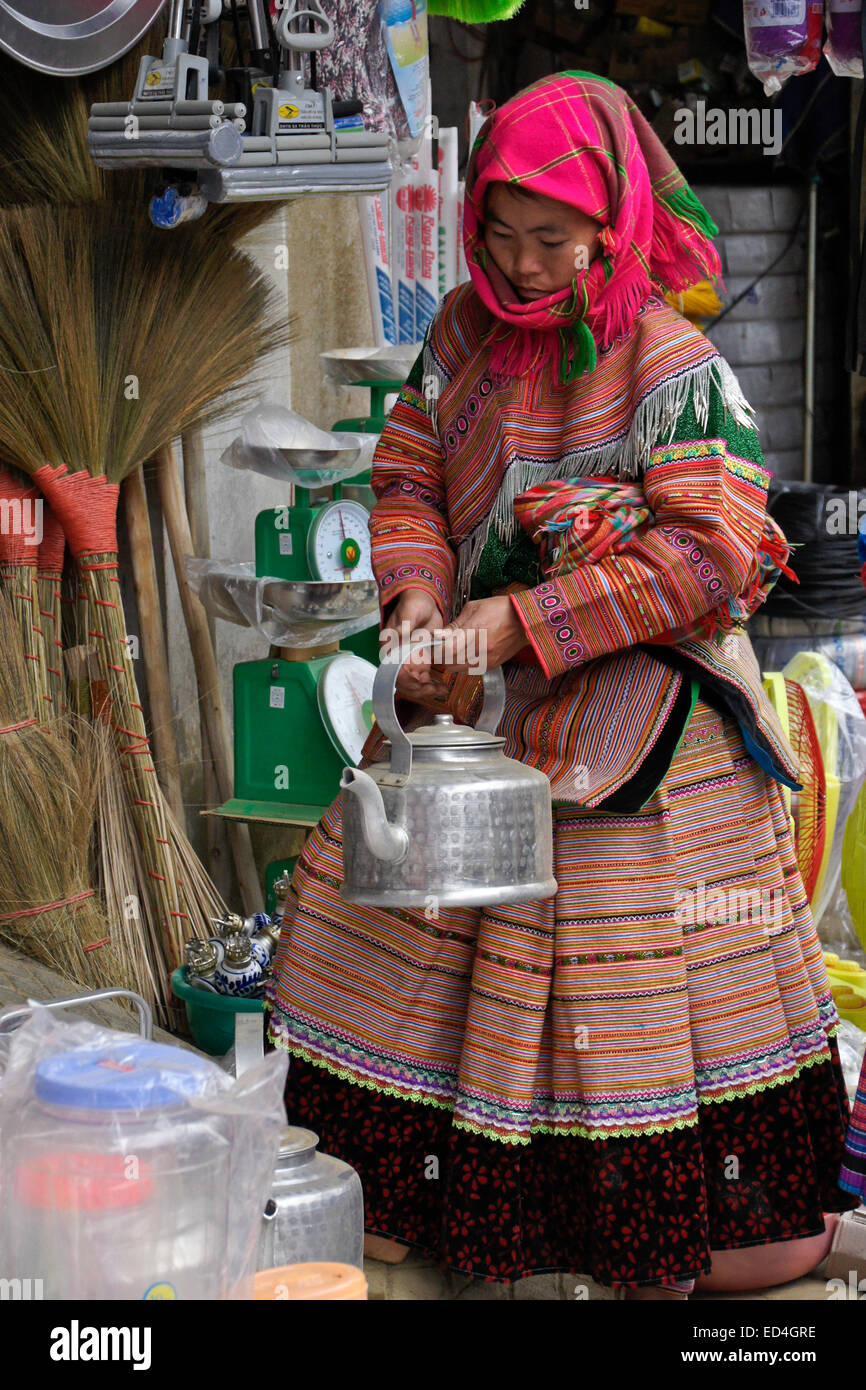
(404, 26)
(783, 39)
(426, 200)
(842, 47)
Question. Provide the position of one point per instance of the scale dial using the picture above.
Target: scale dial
(345, 694)
(338, 543)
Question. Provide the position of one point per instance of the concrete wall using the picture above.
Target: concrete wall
(763, 336)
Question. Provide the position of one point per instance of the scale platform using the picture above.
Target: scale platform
(269, 812)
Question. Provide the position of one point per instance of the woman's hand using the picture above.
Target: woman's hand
(486, 633)
(415, 611)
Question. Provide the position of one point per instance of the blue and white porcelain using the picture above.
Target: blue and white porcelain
(244, 967)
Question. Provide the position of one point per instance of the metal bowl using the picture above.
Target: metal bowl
(354, 366)
(316, 601)
(300, 613)
(311, 468)
(66, 40)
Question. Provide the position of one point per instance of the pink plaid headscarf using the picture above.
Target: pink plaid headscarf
(581, 139)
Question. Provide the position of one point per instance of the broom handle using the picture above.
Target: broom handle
(195, 491)
(207, 676)
(153, 639)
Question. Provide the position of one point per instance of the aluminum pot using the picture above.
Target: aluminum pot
(450, 820)
(316, 1208)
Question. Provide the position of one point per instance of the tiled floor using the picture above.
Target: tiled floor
(419, 1279)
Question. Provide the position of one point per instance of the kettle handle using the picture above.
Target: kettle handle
(384, 688)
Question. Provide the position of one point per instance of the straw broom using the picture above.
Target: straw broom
(135, 929)
(48, 905)
(44, 159)
(49, 578)
(139, 339)
(118, 865)
(20, 505)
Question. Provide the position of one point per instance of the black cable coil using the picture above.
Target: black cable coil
(821, 522)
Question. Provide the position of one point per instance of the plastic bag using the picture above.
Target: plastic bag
(132, 1169)
(783, 39)
(806, 629)
(841, 728)
(282, 444)
(848, 651)
(842, 46)
(287, 613)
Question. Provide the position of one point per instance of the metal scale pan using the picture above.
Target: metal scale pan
(366, 366)
(320, 609)
(311, 468)
(66, 39)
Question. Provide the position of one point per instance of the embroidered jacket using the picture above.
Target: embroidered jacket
(662, 407)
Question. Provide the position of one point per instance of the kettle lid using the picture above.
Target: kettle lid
(444, 733)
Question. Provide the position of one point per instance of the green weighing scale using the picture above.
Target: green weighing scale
(304, 713)
(383, 373)
(328, 540)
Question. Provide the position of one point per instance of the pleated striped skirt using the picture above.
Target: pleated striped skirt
(667, 1013)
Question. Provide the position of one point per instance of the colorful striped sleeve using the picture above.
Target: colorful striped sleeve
(707, 490)
(409, 526)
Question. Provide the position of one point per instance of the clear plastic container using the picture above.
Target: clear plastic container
(117, 1187)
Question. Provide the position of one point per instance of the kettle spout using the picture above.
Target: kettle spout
(383, 840)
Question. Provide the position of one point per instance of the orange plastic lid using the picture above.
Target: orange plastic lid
(307, 1281)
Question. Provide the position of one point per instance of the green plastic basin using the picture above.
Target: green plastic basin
(211, 1017)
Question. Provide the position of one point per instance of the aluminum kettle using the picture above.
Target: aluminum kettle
(450, 821)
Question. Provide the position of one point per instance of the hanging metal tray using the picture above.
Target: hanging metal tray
(66, 39)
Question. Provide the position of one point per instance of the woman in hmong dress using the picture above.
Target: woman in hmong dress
(635, 1079)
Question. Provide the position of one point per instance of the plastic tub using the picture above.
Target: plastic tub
(211, 1017)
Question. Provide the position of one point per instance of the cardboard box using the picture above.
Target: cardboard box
(639, 59)
(692, 12)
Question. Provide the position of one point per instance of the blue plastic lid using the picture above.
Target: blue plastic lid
(136, 1075)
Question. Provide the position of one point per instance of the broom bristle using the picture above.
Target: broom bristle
(44, 155)
(47, 904)
(140, 337)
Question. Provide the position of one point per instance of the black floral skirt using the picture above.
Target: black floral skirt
(630, 1210)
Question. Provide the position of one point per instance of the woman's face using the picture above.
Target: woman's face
(538, 243)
